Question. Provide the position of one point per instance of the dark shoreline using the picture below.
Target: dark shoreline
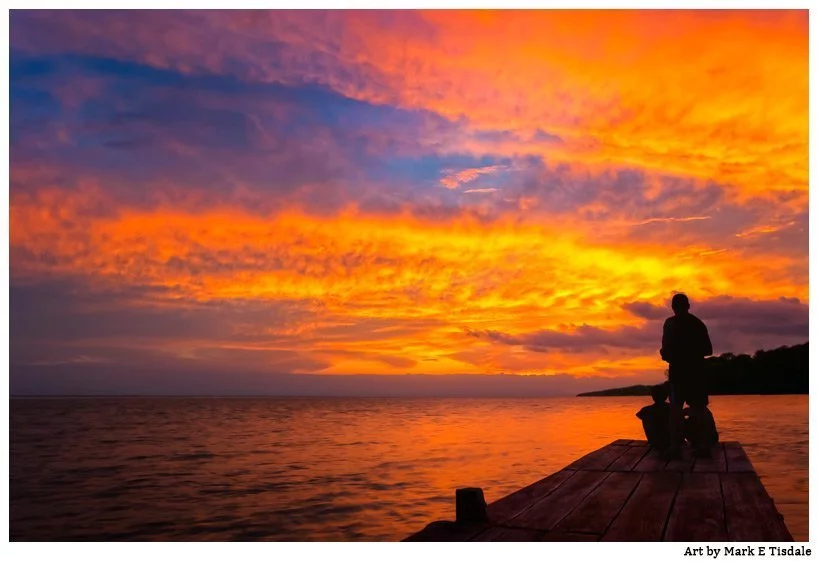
(617, 392)
(781, 371)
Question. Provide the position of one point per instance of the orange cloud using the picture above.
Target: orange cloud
(427, 280)
(714, 100)
(721, 95)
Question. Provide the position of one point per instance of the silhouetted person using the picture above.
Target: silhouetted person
(656, 418)
(685, 344)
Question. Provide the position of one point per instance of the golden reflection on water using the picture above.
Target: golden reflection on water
(331, 469)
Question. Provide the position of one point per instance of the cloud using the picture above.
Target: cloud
(654, 220)
(539, 77)
(80, 359)
(540, 135)
(97, 380)
(354, 269)
(580, 339)
(266, 145)
(647, 311)
(747, 325)
(739, 325)
(742, 324)
(456, 178)
(480, 190)
(342, 192)
(71, 311)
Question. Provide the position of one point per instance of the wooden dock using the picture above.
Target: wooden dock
(625, 491)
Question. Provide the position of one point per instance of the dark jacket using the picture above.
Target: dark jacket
(685, 340)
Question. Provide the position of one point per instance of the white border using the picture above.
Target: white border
(380, 553)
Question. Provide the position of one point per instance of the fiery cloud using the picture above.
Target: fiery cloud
(420, 192)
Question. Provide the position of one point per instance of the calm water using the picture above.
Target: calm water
(330, 469)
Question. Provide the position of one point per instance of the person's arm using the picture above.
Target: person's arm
(707, 346)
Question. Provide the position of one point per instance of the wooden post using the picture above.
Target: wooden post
(470, 505)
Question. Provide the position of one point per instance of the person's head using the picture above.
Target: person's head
(658, 393)
(680, 304)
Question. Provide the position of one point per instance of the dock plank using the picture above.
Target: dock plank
(595, 514)
(599, 459)
(750, 513)
(716, 463)
(698, 511)
(736, 458)
(568, 536)
(509, 506)
(645, 513)
(447, 531)
(652, 461)
(683, 464)
(628, 460)
(626, 491)
(502, 533)
(546, 512)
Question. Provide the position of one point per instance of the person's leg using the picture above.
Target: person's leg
(705, 425)
(676, 421)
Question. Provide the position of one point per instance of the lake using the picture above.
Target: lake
(331, 469)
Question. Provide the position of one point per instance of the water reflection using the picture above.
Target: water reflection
(330, 469)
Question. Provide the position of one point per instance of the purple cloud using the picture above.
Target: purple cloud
(740, 324)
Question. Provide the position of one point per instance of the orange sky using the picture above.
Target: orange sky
(404, 192)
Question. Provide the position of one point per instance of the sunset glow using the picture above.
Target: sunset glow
(384, 193)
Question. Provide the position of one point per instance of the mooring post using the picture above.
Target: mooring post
(470, 505)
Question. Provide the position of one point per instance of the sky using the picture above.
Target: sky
(399, 202)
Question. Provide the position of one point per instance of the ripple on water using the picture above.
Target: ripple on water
(329, 469)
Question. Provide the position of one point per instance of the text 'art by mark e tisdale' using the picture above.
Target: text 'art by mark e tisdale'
(749, 551)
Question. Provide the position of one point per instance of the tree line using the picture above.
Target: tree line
(784, 370)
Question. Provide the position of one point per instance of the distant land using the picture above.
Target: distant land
(784, 370)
